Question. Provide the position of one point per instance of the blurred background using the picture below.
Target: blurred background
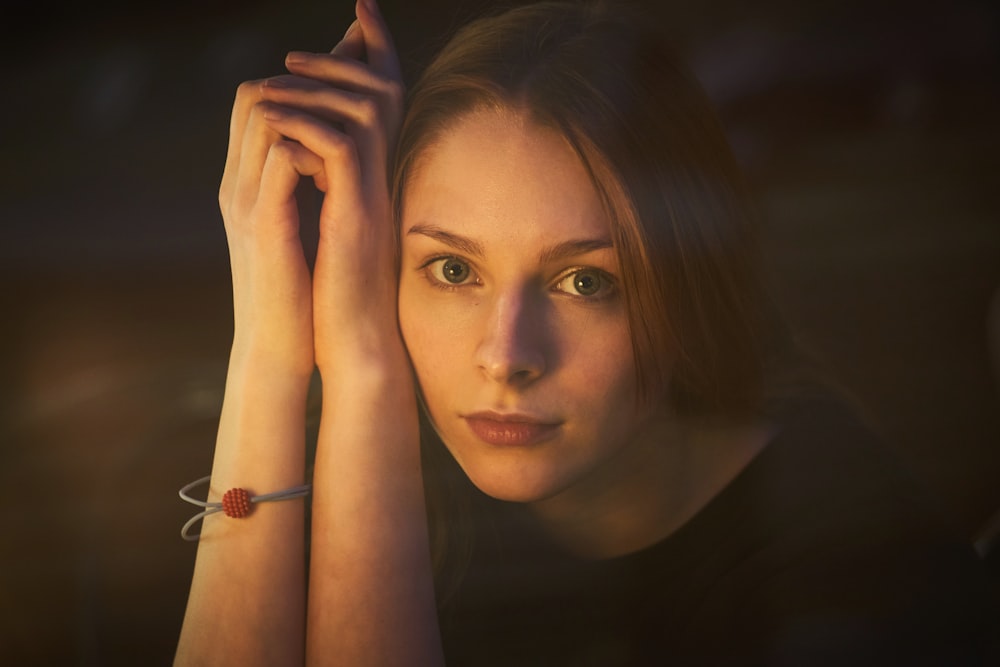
(869, 129)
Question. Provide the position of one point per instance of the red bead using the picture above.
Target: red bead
(236, 503)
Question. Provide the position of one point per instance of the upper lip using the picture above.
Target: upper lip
(512, 417)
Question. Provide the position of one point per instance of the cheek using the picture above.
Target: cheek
(414, 325)
(596, 349)
(433, 338)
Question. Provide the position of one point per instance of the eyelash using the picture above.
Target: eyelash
(425, 269)
(608, 288)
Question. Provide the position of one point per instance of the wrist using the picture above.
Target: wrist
(258, 356)
(366, 370)
(362, 349)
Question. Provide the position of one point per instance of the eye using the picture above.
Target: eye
(449, 270)
(585, 283)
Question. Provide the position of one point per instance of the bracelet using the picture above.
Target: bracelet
(236, 503)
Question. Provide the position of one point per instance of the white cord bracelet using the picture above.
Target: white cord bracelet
(236, 503)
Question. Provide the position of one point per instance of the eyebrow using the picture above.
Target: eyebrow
(572, 248)
(549, 254)
(456, 241)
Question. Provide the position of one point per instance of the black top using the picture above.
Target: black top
(821, 552)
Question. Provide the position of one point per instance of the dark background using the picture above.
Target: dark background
(869, 130)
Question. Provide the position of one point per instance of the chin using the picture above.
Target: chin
(513, 487)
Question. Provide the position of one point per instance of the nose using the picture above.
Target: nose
(512, 348)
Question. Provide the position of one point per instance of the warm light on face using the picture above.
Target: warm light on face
(510, 307)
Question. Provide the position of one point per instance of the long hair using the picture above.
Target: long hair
(680, 217)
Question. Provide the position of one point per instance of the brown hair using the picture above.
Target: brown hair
(659, 159)
(660, 162)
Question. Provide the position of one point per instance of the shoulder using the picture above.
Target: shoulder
(838, 554)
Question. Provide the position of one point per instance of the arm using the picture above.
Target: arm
(247, 599)
(371, 596)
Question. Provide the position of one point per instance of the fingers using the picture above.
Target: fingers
(317, 98)
(337, 150)
(379, 48)
(285, 163)
(374, 113)
(334, 118)
(247, 95)
(343, 130)
(367, 37)
(342, 72)
(254, 145)
(361, 115)
(352, 45)
(354, 76)
(262, 168)
(368, 119)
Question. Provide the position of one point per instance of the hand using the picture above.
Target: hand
(340, 116)
(272, 291)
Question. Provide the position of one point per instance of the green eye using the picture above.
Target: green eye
(448, 271)
(454, 271)
(586, 283)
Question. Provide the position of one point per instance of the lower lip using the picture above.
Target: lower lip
(512, 434)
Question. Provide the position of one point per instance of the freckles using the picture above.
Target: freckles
(586, 338)
(607, 356)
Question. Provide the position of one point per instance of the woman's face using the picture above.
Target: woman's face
(510, 308)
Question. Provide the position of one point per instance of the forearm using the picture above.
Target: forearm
(247, 600)
(371, 594)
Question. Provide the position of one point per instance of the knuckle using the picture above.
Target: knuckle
(277, 80)
(249, 87)
(255, 117)
(394, 92)
(257, 110)
(367, 111)
(282, 150)
(248, 90)
(342, 147)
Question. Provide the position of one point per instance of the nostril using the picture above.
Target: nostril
(511, 349)
(514, 371)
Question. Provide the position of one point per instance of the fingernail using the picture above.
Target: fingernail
(296, 57)
(272, 113)
(372, 6)
(275, 82)
(351, 28)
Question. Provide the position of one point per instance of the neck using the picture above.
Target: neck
(651, 488)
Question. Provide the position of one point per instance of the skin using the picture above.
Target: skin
(332, 118)
(518, 340)
(512, 333)
(519, 337)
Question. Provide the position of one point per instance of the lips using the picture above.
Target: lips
(510, 429)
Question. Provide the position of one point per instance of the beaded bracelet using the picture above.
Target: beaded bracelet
(236, 503)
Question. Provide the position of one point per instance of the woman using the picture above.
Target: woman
(575, 309)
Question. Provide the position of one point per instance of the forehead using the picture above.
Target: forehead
(500, 175)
